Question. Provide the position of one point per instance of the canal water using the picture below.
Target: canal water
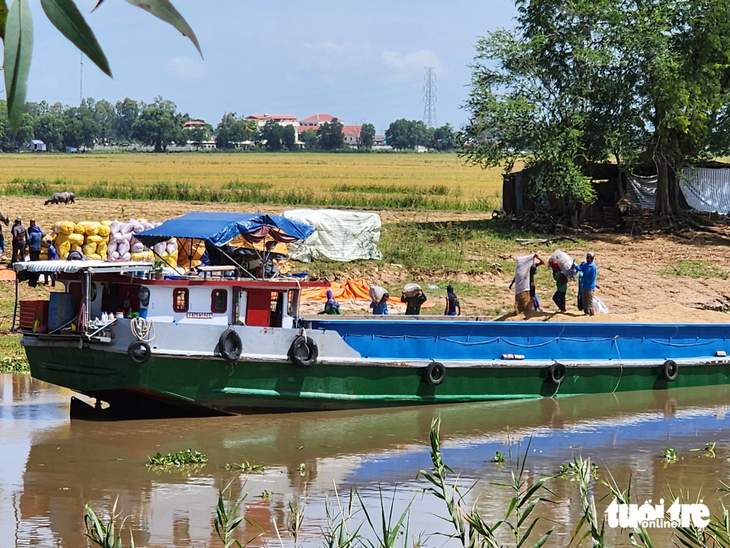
(51, 466)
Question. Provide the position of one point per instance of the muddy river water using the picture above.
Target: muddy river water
(51, 466)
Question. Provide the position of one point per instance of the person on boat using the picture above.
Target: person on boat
(413, 302)
(380, 308)
(35, 237)
(590, 273)
(20, 240)
(524, 283)
(453, 307)
(561, 283)
(331, 307)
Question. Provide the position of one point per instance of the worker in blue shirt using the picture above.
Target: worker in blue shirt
(590, 272)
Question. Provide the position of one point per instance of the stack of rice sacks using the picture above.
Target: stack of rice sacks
(111, 241)
(123, 246)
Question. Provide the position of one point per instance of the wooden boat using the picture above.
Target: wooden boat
(210, 343)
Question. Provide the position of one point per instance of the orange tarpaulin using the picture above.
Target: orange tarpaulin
(356, 290)
(6, 274)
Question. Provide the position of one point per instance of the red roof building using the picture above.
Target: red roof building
(317, 120)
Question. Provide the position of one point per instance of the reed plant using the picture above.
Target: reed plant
(340, 531)
(470, 528)
(227, 520)
(109, 534)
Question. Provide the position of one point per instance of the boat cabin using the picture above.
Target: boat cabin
(100, 293)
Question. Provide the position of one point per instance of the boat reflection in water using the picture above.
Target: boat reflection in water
(58, 465)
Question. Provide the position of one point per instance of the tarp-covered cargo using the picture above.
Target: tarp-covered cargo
(340, 235)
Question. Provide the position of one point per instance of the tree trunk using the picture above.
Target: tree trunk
(663, 206)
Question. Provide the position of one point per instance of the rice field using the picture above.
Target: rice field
(410, 181)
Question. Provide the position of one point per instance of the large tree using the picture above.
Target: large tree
(125, 114)
(330, 135)
(271, 134)
(577, 81)
(406, 134)
(367, 136)
(159, 126)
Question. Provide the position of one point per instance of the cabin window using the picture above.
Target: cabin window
(180, 300)
(219, 301)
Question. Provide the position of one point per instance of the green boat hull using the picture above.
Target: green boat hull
(215, 385)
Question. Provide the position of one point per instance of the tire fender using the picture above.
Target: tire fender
(139, 352)
(303, 352)
(670, 371)
(230, 345)
(435, 373)
(556, 373)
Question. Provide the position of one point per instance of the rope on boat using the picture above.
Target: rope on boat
(620, 365)
(143, 329)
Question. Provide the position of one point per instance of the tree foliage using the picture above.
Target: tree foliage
(330, 135)
(367, 136)
(16, 31)
(581, 81)
(159, 125)
(407, 134)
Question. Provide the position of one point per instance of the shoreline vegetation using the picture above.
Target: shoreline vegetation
(350, 522)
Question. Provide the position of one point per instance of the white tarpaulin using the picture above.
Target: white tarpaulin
(706, 189)
(340, 235)
(642, 190)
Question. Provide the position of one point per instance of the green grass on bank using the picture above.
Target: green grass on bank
(696, 269)
(12, 355)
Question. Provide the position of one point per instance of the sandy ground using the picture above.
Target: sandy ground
(630, 278)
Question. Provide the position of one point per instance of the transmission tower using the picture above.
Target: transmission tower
(429, 98)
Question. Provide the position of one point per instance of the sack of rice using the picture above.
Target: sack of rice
(76, 247)
(172, 245)
(79, 229)
(411, 290)
(66, 228)
(89, 248)
(123, 247)
(160, 248)
(114, 256)
(377, 293)
(101, 249)
(76, 239)
(93, 239)
(96, 257)
(565, 261)
(136, 247)
(103, 231)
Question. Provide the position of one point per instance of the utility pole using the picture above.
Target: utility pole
(81, 81)
(429, 98)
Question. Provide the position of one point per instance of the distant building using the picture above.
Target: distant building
(352, 135)
(315, 121)
(190, 124)
(281, 119)
(36, 145)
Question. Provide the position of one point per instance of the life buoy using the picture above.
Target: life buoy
(230, 345)
(435, 373)
(139, 352)
(303, 352)
(670, 370)
(557, 373)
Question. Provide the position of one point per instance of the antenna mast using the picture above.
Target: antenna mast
(429, 99)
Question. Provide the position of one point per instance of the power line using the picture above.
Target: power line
(429, 99)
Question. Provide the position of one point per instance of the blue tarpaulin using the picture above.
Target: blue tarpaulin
(219, 228)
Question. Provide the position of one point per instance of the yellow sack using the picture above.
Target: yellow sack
(63, 248)
(79, 229)
(93, 239)
(137, 256)
(103, 231)
(96, 257)
(76, 239)
(90, 227)
(66, 228)
(106, 223)
(89, 249)
(101, 249)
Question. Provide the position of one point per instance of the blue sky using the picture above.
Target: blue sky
(362, 62)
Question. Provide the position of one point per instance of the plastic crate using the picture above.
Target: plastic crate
(32, 311)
